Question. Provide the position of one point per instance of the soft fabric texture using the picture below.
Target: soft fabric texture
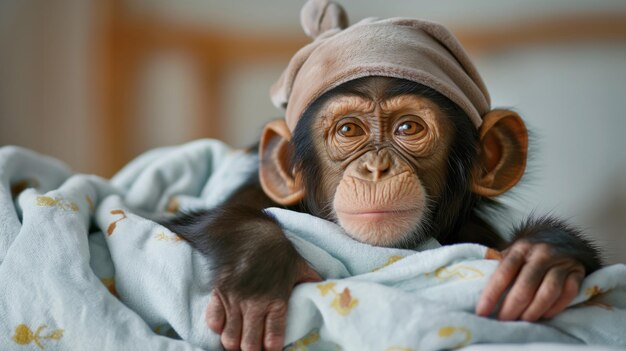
(417, 50)
(82, 268)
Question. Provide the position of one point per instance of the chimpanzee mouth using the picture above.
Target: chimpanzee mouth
(380, 227)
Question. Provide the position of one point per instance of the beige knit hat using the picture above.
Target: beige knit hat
(412, 49)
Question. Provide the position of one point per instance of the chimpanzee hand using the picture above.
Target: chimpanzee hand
(253, 322)
(543, 282)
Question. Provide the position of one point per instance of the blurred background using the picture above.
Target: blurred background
(95, 83)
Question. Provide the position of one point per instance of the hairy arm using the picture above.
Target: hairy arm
(255, 268)
(543, 266)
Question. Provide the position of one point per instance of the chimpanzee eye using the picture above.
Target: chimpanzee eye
(409, 128)
(350, 130)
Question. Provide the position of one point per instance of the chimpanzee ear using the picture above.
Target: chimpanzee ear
(502, 155)
(277, 177)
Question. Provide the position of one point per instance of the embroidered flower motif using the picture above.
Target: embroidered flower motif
(113, 225)
(593, 291)
(462, 272)
(90, 203)
(47, 201)
(160, 236)
(450, 331)
(303, 343)
(325, 288)
(599, 304)
(392, 259)
(343, 302)
(24, 336)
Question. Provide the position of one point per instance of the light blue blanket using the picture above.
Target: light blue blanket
(82, 268)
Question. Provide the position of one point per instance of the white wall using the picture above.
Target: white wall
(46, 96)
(248, 104)
(168, 99)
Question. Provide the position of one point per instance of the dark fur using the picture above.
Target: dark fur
(564, 240)
(247, 248)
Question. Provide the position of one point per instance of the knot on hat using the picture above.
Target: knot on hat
(319, 16)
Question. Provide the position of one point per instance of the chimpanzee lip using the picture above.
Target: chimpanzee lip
(378, 211)
(375, 216)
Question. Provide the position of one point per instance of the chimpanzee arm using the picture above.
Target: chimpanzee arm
(543, 266)
(255, 268)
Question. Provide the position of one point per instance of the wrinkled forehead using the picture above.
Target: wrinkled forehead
(376, 98)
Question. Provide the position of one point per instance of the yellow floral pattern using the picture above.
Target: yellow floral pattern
(160, 236)
(47, 201)
(113, 225)
(599, 304)
(303, 343)
(90, 203)
(461, 272)
(392, 259)
(166, 330)
(450, 331)
(109, 283)
(173, 205)
(593, 291)
(343, 302)
(24, 336)
(325, 288)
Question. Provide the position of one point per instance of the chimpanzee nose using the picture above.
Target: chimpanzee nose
(377, 166)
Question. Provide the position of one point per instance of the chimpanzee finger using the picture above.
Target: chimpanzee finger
(231, 335)
(253, 322)
(570, 290)
(215, 313)
(275, 324)
(500, 280)
(548, 293)
(523, 291)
